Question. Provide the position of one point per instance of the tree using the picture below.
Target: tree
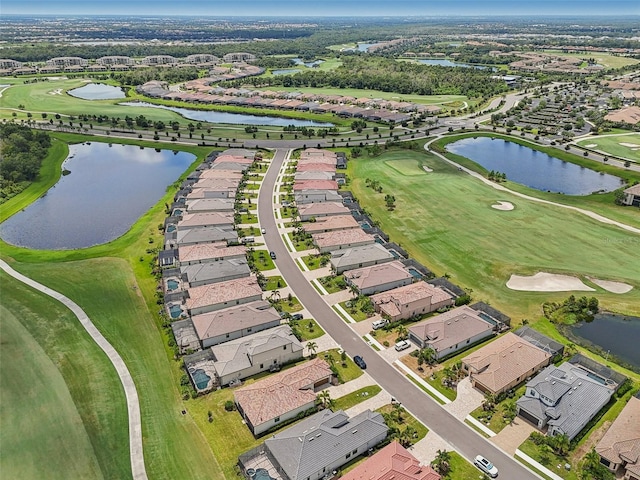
(489, 402)
(398, 410)
(441, 464)
(390, 201)
(325, 400)
(312, 348)
(510, 411)
(560, 444)
(402, 332)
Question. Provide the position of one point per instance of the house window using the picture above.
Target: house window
(284, 347)
(249, 329)
(227, 335)
(468, 340)
(347, 455)
(355, 451)
(262, 365)
(277, 419)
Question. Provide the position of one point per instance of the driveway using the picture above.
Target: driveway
(512, 436)
(467, 400)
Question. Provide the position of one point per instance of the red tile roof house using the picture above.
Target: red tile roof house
(342, 239)
(302, 176)
(223, 174)
(451, 331)
(393, 462)
(379, 278)
(504, 363)
(228, 324)
(619, 449)
(318, 159)
(270, 402)
(411, 300)
(331, 224)
(207, 298)
(315, 185)
(316, 167)
(233, 159)
(208, 252)
(322, 209)
(212, 219)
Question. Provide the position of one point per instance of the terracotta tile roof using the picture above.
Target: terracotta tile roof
(393, 462)
(633, 190)
(233, 159)
(318, 159)
(209, 251)
(283, 392)
(220, 292)
(315, 185)
(621, 443)
(629, 115)
(504, 360)
(204, 219)
(316, 167)
(341, 237)
(323, 208)
(232, 319)
(333, 222)
(377, 274)
(217, 183)
(411, 293)
(450, 328)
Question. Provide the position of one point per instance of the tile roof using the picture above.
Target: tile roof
(210, 205)
(221, 292)
(450, 328)
(315, 185)
(232, 319)
(224, 174)
(209, 251)
(318, 159)
(215, 270)
(633, 190)
(205, 234)
(361, 254)
(204, 219)
(621, 443)
(322, 440)
(343, 237)
(283, 392)
(316, 167)
(374, 275)
(323, 208)
(411, 293)
(504, 360)
(393, 462)
(333, 222)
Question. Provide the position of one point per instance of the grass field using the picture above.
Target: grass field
(62, 407)
(444, 219)
(613, 145)
(605, 59)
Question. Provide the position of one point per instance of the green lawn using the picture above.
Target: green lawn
(333, 283)
(58, 394)
(461, 469)
(262, 260)
(350, 371)
(444, 220)
(352, 307)
(301, 243)
(312, 261)
(275, 282)
(351, 399)
(289, 306)
(308, 328)
(623, 146)
(408, 420)
(602, 58)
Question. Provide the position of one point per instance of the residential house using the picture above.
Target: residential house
(221, 174)
(632, 196)
(450, 331)
(214, 271)
(342, 240)
(216, 296)
(316, 167)
(185, 335)
(210, 219)
(317, 445)
(199, 235)
(379, 278)
(392, 462)
(315, 196)
(314, 175)
(315, 185)
(228, 324)
(209, 252)
(619, 449)
(564, 399)
(331, 224)
(411, 300)
(555, 349)
(359, 256)
(324, 209)
(282, 396)
(504, 363)
(200, 205)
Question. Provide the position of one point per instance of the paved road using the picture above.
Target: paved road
(133, 406)
(464, 440)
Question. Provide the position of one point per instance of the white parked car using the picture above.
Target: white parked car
(402, 345)
(378, 324)
(264, 230)
(486, 466)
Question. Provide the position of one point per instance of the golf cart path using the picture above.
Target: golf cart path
(133, 406)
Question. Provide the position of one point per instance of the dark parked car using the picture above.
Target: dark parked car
(272, 254)
(296, 316)
(360, 362)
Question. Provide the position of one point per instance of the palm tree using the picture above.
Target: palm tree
(429, 355)
(398, 410)
(510, 411)
(402, 332)
(406, 436)
(441, 462)
(489, 402)
(324, 397)
(353, 289)
(312, 347)
(560, 444)
(275, 296)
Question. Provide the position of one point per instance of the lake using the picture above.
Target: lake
(299, 61)
(212, 116)
(108, 189)
(285, 71)
(614, 333)
(97, 91)
(533, 168)
(448, 63)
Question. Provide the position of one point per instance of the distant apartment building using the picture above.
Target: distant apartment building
(64, 62)
(159, 60)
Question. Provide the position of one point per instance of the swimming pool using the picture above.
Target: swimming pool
(414, 272)
(487, 318)
(175, 311)
(201, 379)
(172, 284)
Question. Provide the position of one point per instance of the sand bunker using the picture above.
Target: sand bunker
(629, 145)
(613, 287)
(499, 205)
(427, 169)
(57, 91)
(591, 145)
(547, 282)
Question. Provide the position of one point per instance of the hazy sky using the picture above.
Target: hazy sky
(323, 7)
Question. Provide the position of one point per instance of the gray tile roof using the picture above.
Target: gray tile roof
(362, 254)
(206, 234)
(322, 439)
(216, 271)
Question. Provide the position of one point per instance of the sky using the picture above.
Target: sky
(422, 8)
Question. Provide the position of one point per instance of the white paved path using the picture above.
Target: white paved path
(133, 405)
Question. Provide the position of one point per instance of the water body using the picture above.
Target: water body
(448, 63)
(108, 189)
(362, 47)
(232, 118)
(299, 61)
(97, 91)
(285, 71)
(533, 168)
(614, 333)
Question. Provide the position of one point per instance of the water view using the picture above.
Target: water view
(299, 61)
(615, 334)
(97, 91)
(108, 189)
(285, 71)
(232, 118)
(533, 168)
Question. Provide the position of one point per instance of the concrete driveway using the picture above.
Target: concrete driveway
(467, 400)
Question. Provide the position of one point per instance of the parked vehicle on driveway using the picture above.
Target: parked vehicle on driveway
(486, 466)
(358, 360)
(296, 316)
(378, 324)
(402, 345)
